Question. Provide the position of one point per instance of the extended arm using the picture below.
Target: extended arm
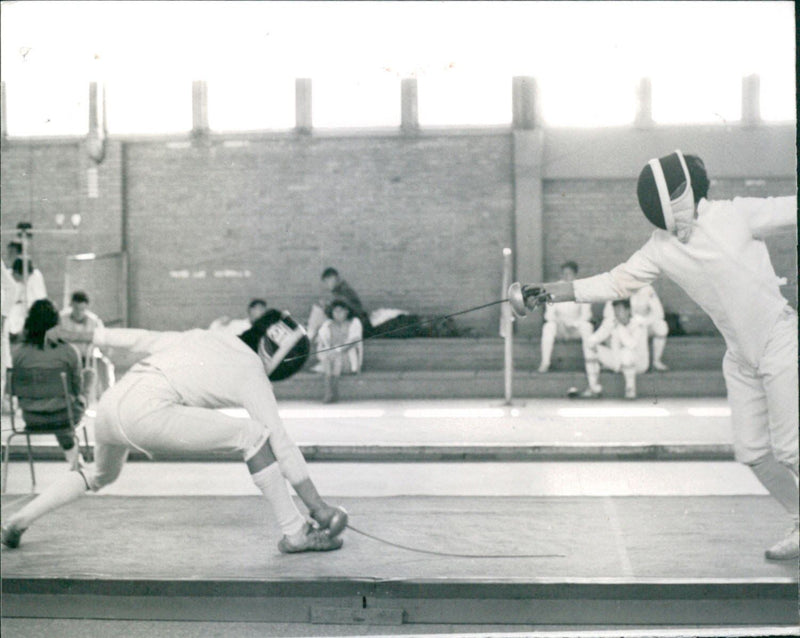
(768, 215)
(133, 340)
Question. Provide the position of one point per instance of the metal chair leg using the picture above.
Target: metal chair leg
(6, 452)
(87, 452)
(30, 462)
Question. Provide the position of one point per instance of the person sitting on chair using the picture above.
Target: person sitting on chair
(33, 354)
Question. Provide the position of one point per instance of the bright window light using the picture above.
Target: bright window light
(372, 101)
(48, 106)
(237, 103)
(462, 99)
(715, 98)
(149, 105)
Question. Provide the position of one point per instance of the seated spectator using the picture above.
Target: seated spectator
(568, 321)
(78, 318)
(626, 352)
(33, 354)
(337, 288)
(342, 329)
(25, 295)
(647, 308)
(255, 309)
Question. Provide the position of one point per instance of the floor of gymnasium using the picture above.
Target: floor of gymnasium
(580, 539)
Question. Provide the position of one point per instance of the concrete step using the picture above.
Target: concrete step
(380, 355)
(458, 384)
(684, 353)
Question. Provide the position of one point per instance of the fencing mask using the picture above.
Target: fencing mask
(665, 194)
(280, 342)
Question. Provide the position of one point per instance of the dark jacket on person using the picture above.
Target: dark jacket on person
(63, 357)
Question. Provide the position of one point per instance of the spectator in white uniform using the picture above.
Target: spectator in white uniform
(566, 321)
(647, 308)
(626, 351)
(169, 402)
(715, 251)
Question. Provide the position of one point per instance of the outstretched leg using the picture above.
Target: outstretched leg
(109, 460)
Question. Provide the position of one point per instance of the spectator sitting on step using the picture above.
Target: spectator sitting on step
(566, 321)
(337, 288)
(255, 309)
(647, 308)
(342, 329)
(626, 352)
(32, 353)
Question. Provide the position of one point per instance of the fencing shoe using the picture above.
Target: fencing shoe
(312, 540)
(10, 536)
(334, 520)
(787, 548)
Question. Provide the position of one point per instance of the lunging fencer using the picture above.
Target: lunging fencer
(715, 251)
(168, 403)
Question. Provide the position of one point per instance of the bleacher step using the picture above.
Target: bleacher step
(463, 384)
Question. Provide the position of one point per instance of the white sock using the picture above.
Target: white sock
(273, 486)
(780, 482)
(65, 490)
(72, 456)
(593, 375)
(630, 379)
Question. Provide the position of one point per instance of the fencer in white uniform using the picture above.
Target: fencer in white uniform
(715, 251)
(169, 401)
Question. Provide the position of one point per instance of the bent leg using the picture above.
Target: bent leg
(549, 330)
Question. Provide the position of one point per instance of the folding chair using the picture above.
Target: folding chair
(38, 383)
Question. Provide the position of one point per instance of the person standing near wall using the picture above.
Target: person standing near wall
(26, 295)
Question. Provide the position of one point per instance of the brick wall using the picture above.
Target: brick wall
(416, 222)
(41, 179)
(411, 222)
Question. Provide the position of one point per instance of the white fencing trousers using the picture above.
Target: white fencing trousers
(621, 359)
(764, 399)
(142, 412)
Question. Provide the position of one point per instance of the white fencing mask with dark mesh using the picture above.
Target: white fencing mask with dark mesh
(665, 194)
(280, 342)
